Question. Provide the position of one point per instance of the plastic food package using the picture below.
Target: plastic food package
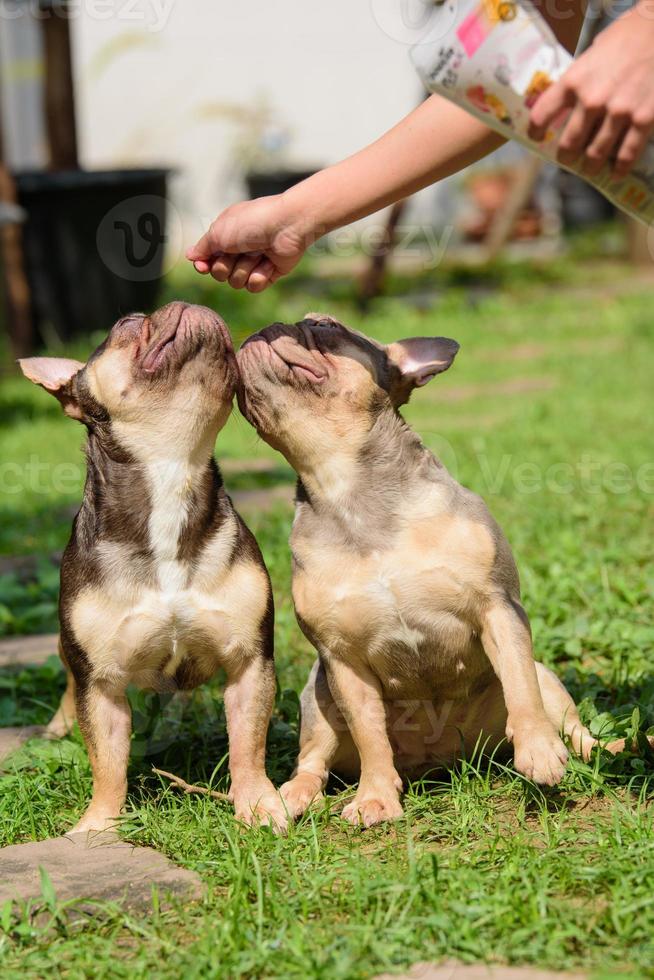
(494, 58)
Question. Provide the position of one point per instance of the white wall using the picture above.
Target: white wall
(153, 78)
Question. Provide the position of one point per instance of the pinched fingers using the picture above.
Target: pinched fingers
(250, 271)
(263, 275)
(222, 266)
(242, 268)
(200, 253)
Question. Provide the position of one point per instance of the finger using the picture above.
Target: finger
(204, 248)
(201, 266)
(242, 269)
(221, 267)
(608, 137)
(549, 105)
(578, 131)
(261, 276)
(630, 150)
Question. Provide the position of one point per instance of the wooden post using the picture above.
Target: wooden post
(638, 239)
(373, 279)
(518, 197)
(59, 90)
(18, 302)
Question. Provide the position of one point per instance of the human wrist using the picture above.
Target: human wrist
(309, 208)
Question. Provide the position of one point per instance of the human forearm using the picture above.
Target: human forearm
(253, 243)
(435, 140)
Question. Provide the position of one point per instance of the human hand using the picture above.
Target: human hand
(252, 244)
(610, 92)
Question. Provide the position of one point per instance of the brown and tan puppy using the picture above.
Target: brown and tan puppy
(161, 582)
(401, 578)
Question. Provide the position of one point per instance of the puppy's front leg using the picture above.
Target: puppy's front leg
(249, 698)
(358, 694)
(105, 721)
(539, 752)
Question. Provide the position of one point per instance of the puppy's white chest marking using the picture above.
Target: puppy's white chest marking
(170, 485)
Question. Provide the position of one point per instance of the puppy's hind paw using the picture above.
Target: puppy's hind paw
(541, 757)
(300, 792)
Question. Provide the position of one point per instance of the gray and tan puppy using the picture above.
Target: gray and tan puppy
(402, 580)
(161, 582)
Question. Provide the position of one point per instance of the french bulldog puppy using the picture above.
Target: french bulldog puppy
(402, 580)
(161, 581)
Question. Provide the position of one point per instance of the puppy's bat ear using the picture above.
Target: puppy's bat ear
(420, 359)
(55, 374)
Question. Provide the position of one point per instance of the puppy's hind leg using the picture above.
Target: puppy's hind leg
(64, 717)
(323, 732)
(562, 712)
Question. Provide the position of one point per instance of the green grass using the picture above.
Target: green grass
(547, 413)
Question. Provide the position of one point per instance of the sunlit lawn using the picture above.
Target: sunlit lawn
(547, 413)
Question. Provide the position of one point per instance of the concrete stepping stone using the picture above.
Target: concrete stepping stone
(452, 970)
(19, 651)
(98, 867)
(12, 738)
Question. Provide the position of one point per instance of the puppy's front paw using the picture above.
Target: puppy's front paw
(368, 811)
(300, 792)
(540, 756)
(261, 806)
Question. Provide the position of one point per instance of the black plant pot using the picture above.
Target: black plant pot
(262, 183)
(94, 246)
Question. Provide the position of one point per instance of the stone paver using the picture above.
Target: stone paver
(12, 738)
(98, 868)
(451, 970)
(19, 651)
